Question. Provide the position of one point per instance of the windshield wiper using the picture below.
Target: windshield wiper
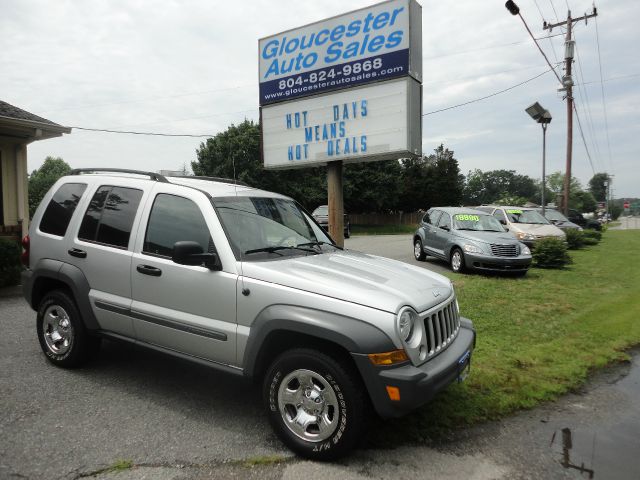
(275, 249)
(319, 243)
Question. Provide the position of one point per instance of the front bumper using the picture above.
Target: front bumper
(492, 263)
(417, 385)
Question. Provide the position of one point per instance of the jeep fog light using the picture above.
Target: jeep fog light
(406, 321)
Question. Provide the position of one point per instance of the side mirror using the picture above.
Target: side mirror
(191, 253)
(506, 229)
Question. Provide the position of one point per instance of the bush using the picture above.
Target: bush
(590, 241)
(575, 239)
(10, 266)
(551, 253)
(591, 235)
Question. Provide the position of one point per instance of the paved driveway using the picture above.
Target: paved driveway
(398, 247)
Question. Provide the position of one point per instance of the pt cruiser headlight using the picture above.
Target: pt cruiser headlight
(470, 248)
(406, 322)
(525, 236)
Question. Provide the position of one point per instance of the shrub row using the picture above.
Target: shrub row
(552, 253)
(10, 266)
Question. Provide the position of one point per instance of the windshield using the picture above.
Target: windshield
(526, 216)
(555, 215)
(476, 222)
(322, 210)
(268, 228)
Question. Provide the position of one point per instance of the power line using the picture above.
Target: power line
(604, 104)
(555, 55)
(583, 91)
(488, 96)
(584, 142)
(539, 47)
(620, 77)
(143, 133)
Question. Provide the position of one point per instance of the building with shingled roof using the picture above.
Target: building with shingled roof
(18, 128)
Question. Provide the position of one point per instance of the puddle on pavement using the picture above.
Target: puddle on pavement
(605, 450)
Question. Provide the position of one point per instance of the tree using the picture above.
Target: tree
(597, 186)
(432, 180)
(372, 187)
(583, 201)
(41, 180)
(494, 185)
(555, 182)
(239, 147)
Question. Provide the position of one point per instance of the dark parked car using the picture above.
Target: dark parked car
(576, 217)
(469, 239)
(321, 215)
(559, 220)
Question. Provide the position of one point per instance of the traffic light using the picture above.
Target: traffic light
(512, 7)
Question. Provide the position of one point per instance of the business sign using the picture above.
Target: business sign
(371, 122)
(376, 43)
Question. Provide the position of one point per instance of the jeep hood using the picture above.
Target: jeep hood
(356, 277)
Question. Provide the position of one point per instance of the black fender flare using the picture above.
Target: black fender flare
(354, 335)
(67, 274)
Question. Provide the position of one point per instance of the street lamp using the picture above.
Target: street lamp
(543, 117)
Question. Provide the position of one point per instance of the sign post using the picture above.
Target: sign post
(345, 89)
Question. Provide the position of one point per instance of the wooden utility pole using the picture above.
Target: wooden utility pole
(567, 83)
(336, 202)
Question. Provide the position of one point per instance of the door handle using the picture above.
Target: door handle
(147, 270)
(76, 252)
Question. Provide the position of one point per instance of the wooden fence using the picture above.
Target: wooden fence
(399, 218)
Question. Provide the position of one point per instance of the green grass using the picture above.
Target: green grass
(540, 336)
(382, 229)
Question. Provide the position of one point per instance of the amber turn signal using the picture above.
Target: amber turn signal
(388, 358)
(394, 393)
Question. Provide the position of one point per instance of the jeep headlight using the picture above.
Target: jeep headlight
(406, 323)
(524, 250)
(525, 236)
(471, 248)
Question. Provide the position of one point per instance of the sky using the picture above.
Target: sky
(191, 67)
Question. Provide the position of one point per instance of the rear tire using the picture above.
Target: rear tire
(316, 405)
(418, 250)
(457, 261)
(61, 332)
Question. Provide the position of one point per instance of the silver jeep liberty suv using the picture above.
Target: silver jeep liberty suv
(245, 281)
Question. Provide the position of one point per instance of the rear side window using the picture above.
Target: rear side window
(445, 221)
(57, 216)
(432, 217)
(174, 219)
(109, 217)
(500, 215)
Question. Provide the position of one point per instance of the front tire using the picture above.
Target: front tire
(62, 335)
(418, 250)
(457, 261)
(316, 405)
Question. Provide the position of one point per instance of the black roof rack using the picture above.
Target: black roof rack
(212, 179)
(153, 176)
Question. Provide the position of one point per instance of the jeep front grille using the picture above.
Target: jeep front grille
(500, 250)
(441, 327)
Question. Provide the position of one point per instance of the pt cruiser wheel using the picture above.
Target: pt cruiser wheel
(315, 404)
(418, 251)
(457, 261)
(62, 335)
